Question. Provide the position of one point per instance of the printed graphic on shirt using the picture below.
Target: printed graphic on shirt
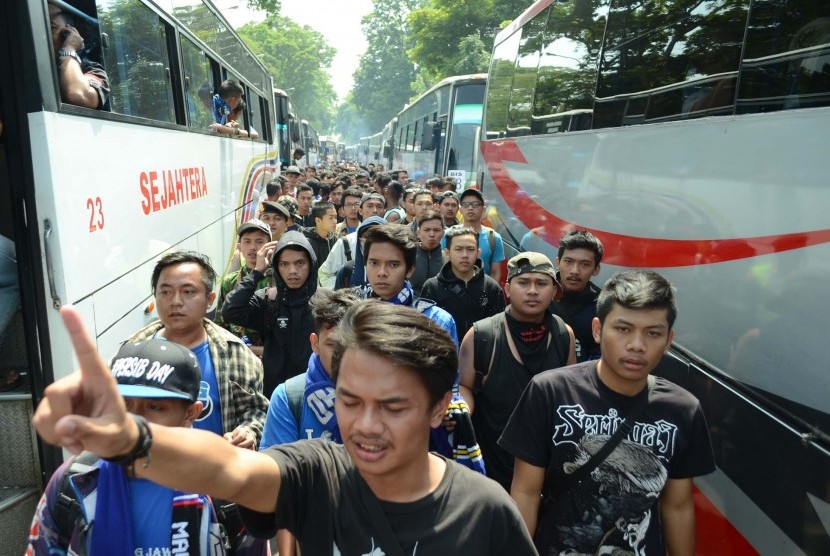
(612, 509)
(576, 423)
(321, 403)
(207, 401)
(373, 551)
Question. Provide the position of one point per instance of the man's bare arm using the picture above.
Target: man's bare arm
(495, 272)
(84, 411)
(677, 510)
(526, 490)
(467, 372)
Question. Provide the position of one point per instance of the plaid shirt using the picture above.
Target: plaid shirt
(238, 372)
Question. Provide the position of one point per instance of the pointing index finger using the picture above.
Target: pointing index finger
(91, 363)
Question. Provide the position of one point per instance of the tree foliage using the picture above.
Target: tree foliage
(271, 7)
(297, 57)
(453, 37)
(348, 123)
(383, 79)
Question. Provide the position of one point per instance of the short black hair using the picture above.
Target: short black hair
(319, 209)
(399, 236)
(637, 289)
(329, 306)
(581, 239)
(352, 192)
(303, 187)
(229, 87)
(182, 257)
(403, 336)
(456, 231)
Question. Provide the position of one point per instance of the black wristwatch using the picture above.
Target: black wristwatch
(66, 52)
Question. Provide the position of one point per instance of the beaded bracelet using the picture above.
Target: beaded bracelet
(140, 450)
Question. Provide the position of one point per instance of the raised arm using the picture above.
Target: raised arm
(84, 411)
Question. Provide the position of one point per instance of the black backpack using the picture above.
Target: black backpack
(484, 342)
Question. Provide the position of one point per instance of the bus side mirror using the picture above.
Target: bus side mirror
(428, 136)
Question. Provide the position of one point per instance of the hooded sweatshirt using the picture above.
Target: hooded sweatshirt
(468, 302)
(321, 245)
(281, 315)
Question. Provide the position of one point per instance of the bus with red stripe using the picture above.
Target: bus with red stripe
(686, 135)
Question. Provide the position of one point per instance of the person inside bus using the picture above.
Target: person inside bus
(82, 82)
(228, 107)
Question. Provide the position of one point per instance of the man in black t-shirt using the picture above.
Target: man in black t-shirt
(382, 492)
(566, 416)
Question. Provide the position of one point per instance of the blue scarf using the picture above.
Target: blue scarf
(113, 522)
(461, 444)
(113, 531)
(319, 396)
(221, 109)
(405, 297)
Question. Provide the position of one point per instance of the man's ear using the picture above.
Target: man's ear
(596, 329)
(315, 342)
(211, 296)
(410, 272)
(595, 272)
(192, 413)
(440, 409)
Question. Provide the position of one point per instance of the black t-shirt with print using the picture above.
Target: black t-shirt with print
(564, 417)
(328, 506)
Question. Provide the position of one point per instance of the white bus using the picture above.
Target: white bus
(92, 198)
(438, 133)
(686, 135)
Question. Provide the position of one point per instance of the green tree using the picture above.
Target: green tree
(453, 37)
(297, 57)
(383, 79)
(348, 123)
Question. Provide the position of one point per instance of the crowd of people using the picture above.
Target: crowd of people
(373, 377)
(369, 318)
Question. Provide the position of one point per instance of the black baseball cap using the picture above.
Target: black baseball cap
(277, 208)
(254, 224)
(471, 191)
(157, 368)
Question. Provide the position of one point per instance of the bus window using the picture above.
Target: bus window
(568, 68)
(683, 61)
(198, 86)
(137, 60)
(524, 77)
(253, 114)
(787, 58)
(501, 80)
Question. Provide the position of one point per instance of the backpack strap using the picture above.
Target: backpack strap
(67, 511)
(347, 249)
(484, 348)
(491, 239)
(562, 339)
(624, 429)
(294, 390)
